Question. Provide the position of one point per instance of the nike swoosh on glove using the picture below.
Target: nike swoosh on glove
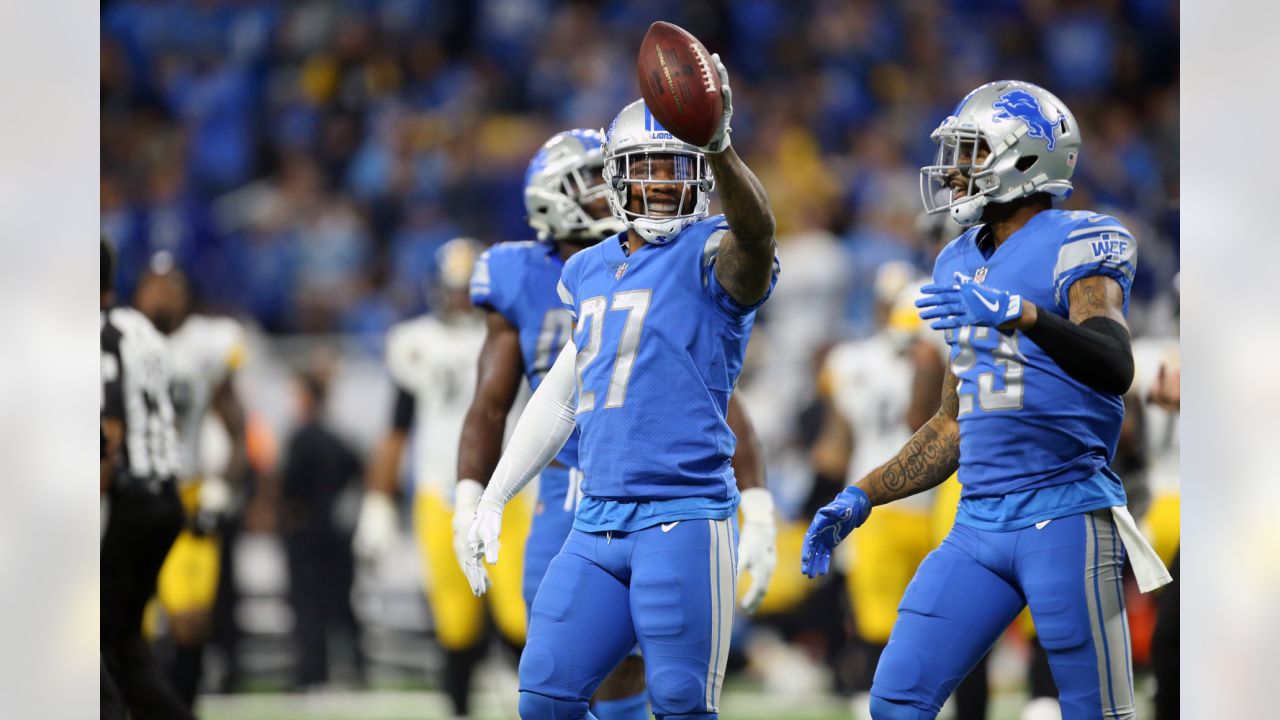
(757, 546)
(832, 524)
(486, 526)
(953, 306)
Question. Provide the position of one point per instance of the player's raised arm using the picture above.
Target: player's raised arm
(1091, 345)
(744, 264)
(928, 458)
(544, 427)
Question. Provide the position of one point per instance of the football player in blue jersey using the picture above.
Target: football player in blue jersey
(528, 326)
(515, 283)
(1033, 300)
(662, 316)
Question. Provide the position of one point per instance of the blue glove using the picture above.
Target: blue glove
(832, 524)
(968, 304)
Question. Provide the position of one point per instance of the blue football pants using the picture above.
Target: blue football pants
(670, 587)
(551, 525)
(968, 590)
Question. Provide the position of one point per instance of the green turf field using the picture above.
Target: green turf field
(426, 705)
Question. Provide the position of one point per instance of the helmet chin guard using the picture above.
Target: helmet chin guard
(632, 144)
(1033, 143)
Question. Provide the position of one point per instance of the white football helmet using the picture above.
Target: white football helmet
(559, 184)
(633, 141)
(1033, 141)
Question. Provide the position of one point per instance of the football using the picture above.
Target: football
(679, 83)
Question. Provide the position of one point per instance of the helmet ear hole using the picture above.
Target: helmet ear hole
(1024, 163)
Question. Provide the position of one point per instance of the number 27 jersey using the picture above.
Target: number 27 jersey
(1035, 444)
(660, 345)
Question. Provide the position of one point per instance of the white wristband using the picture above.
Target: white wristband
(757, 505)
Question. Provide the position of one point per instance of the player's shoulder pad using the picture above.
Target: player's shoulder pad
(131, 322)
(1089, 243)
(958, 243)
(223, 337)
(407, 345)
(576, 262)
(500, 262)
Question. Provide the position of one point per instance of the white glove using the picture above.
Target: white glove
(482, 537)
(466, 495)
(376, 527)
(757, 548)
(720, 140)
(213, 502)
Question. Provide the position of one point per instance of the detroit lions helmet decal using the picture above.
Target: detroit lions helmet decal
(1005, 140)
(1018, 104)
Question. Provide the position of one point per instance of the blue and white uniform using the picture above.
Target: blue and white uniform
(1035, 524)
(518, 281)
(652, 555)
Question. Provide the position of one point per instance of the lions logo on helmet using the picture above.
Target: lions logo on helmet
(633, 141)
(1034, 153)
(562, 181)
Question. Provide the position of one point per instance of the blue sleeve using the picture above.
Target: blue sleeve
(719, 296)
(564, 288)
(491, 282)
(1098, 245)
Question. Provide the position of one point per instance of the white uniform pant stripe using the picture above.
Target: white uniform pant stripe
(1108, 623)
(722, 598)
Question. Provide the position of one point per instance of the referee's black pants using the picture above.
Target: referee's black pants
(141, 526)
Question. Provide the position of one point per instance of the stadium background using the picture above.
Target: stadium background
(303, 162)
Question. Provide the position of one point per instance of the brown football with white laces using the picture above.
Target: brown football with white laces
(679, 83)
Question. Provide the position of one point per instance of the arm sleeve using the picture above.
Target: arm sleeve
(402, 415)
(544, 427)
(1099, 245)
(1096, 352)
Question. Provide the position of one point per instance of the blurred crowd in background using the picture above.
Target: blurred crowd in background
(304, 161)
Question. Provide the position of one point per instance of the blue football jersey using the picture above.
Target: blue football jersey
(660, 346)
(518, 280)
(1034, 443)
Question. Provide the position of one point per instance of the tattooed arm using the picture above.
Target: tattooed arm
(744, 262)
(1092, 344)
(928, 458)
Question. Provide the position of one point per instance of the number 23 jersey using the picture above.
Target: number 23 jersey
(660, 345)
(1035, 444)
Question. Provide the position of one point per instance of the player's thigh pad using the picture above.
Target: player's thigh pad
(954, 609)
(682, 601)
(1070, 571)
(458, 613)
(551, 525)
(580, 626)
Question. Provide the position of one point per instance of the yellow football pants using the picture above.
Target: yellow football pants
(459, 614)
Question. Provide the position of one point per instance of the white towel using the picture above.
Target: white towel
(1148, 568)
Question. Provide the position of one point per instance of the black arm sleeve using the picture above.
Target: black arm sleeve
(402, 416)
(1096, 352)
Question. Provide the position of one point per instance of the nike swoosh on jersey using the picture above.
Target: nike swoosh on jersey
(1040, 525)
(992, 306)
(666, 527)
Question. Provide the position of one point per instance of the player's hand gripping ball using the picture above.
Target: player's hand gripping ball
(833, 523)
(685, 87)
